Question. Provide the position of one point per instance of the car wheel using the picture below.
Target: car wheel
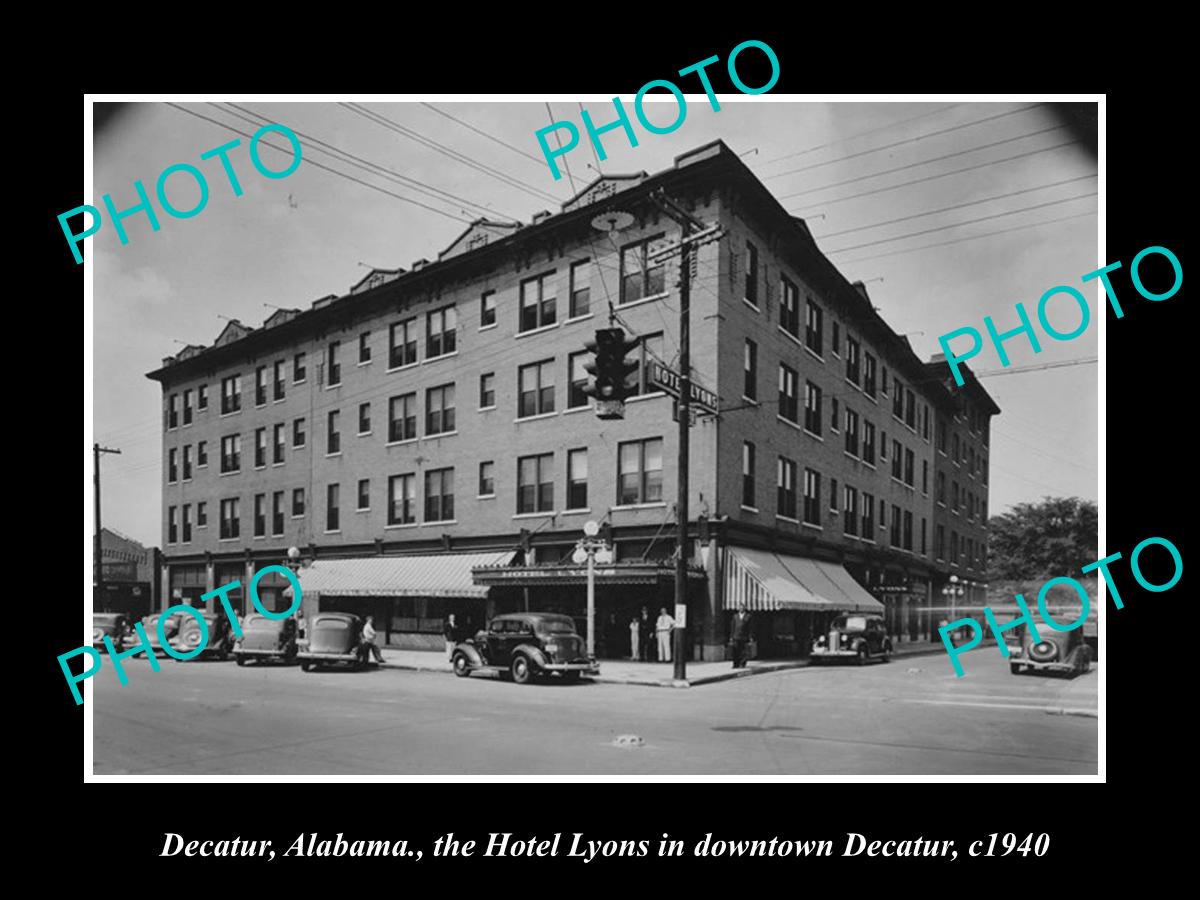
(887, 652)
(522, 671)
(306, 666)
(240, 658)
(863, 655)
(462, 665)
(223, 654)
(1016, 668)
(571, 677)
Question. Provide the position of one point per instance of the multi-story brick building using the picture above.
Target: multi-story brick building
(425, 442)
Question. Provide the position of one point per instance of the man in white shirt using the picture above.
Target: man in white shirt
(368, 640)
(662, 629)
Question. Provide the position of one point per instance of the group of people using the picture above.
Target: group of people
(649, 638)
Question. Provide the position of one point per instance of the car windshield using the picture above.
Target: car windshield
(556, 626)
(105, 618)
(333, 624)
(850, 623)
(260, 623)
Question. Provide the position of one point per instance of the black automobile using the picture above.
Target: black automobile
(332, 638)
(526, 646)
(220, 636)
(1054, 651)
(115, 625)
(857, 637)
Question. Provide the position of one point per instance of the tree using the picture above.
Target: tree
(1041, 540)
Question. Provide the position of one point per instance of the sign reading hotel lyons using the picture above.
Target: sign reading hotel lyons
(667, 380)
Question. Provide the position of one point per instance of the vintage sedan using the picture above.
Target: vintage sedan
(1054, 651)
(170, 629)
(332, 638)
(526, 646)
(265, 639)
(857, 637)
(115, 625)
(220, 636)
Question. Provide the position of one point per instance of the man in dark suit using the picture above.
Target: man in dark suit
(740, 635)
(646, 636)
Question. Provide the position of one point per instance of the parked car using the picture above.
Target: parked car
(170, 629)
(856, 637)
(1056, 651)
(220, 636)
(115, 625)
(526, 646)
(332, 638)
(263, 639)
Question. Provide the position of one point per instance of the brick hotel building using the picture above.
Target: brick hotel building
(425, 442)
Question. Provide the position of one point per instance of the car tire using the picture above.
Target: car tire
(887, 652)
(521, 669)
(223, 654)
(1016, 668)
(571, 677)
(863, 655)
(462, 665)
(240, 658)
(306, 666)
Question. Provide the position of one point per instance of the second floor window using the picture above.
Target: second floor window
(439, 410)
(812, 408)
(364, 494)
(897, 460)
(909, 477)
(402, 343)
(277, 513)
(581, 288)
(260, 447)
(786, 500)
(487, 390)
(187, 462)
(577, 479)
(578, 378)
(201, 454)
(402, 418)
(298, 435)
(333, 493)
(260, 515)
(333, 435)
(640, 277)
(231, 394)
(748, 498)
(231, 523)
(231, 453)
(439, 495)
(402, 500)
(280, 436)
(335, 367)
(812, 497)
(535, 389)
(487, 479)
(868, 517)
(440, 332)
(364, 418)
(187, 523)
(639, 471)
(789, 400)
(535, 483)
(172, 466)
(850, 511)
(297, 502)
(538, 304)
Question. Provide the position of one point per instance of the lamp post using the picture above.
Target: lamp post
(589, 548)
(952, 591)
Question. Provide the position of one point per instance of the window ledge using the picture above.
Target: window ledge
(791, 337)
(489, 327)
(400, 525)
(577, 512)
(658, 504)
(653, 395)
(331, 386)
(815, 355)
(234, 472)
(581, 318)
(486, 408)
(812, 526)
(545, 415)
(491, 496)
(753, 306)
(650, 299)
(782, 518)
(430, 359)
(442, 434)
(364, 434)
(749, 509)
(403, 367)
(440, 522)
(813, 435)
(332, 531)
(331, 455)
(411, 440)
(361, 363)
(541, 329)
(578, 409)
(536, 515)
(301, 381)
(788, 422)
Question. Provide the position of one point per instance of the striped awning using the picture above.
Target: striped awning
(435, 575)
(764, 580)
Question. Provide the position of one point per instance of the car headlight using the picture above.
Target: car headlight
(97, 634)
(551, 648)
(193, 638)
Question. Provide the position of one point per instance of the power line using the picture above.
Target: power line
(486, 134)
(889, 126)
(1018, 370)
(943, 209)
(313, 162)
(591, 144)
(910, 140)
(570, 177)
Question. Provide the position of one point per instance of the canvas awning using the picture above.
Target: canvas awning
(435, 575)
(764, 580)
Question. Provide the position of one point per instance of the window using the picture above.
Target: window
(941, 488)
(538, 305)
(535, 389)
(750, 390)
(751, 274)
(812, 408)
(231, 522)
(837, 339)
(173, 411)
(332, 501)
(333, 436)
(297, 502)
(535, 483)
(954, 548)
(487, 309)
(954, 496)
(909, 478)
(172, 526)
(883, 444)
(812, 497)
(868, 517)
(869, 374)
(850, 511)
(577, 479)
(487, 390)
(364, 494)
(260, 515)
(277, 513)
(748, 498)
(278, 376)
(941, 436)
(402, 500)
(789, 400)
(335, 367)
(956, 448)
(187, 407)
(868, 442)
(971, 462)
(884, 389)
(439, 495)
(897, 460)
(851, 432)
(640, 277)
(895, 525)
(925, 422)
(441, 327)
(260, 447)
(882, 514)
(939, 542)
(402, 418)
(581, 288)
(814, 326)
(487, 479)
(833, 495)
(298, 435)
(402, 343)
(231, 453)
(833, 414)
(299, 370)
(364, 348)
(172, 466)
(924, 533)
(898, 399)
(231, 394)
(785, 501)
(439, 410)
(364, 418)
(577, 377)
(187, 462)
(260, 386)
(983, 468)
(202, 398)
(925, 477)
(650, 348)
(201, 454)
(187, 523)
(910, 409)
(639, 475)
(908, 530)
(853, 360)
(789, 307)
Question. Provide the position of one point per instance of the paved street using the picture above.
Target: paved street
(907, 717)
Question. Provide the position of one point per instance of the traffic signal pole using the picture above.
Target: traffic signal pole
(679, 635)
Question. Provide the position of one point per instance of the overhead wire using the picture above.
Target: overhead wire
(850, 137)
(486, 134)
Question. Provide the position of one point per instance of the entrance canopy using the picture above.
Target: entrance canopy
(764, 580)
(438, 575)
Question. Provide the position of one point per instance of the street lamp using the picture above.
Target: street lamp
(952, 591)
(589, 549)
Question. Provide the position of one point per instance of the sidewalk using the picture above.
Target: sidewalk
(647, 673)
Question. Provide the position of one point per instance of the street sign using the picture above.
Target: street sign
(667, 380)
(681, 615)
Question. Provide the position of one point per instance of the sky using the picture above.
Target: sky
(850, 169)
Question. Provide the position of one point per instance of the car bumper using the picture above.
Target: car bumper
(250, 651)
(313, 656)
(1056, 665)
(833, 654)
(590, 667)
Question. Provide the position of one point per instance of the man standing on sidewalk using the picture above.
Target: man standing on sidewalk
(450, 630)
(368, 640)
(740, 635)
(662, 628)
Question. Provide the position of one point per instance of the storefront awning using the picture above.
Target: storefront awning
(623, 572)
(436, 575)
(764, 580)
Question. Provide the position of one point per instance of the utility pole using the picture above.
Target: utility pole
(98, 590)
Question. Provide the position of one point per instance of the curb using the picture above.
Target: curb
(705, 679)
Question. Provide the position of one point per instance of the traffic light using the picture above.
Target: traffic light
(610, 371)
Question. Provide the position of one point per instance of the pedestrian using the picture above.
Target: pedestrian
(635, 627)
(646, 636)
(663, 628)
(450, 630)
(740, 635)
(369, 646)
